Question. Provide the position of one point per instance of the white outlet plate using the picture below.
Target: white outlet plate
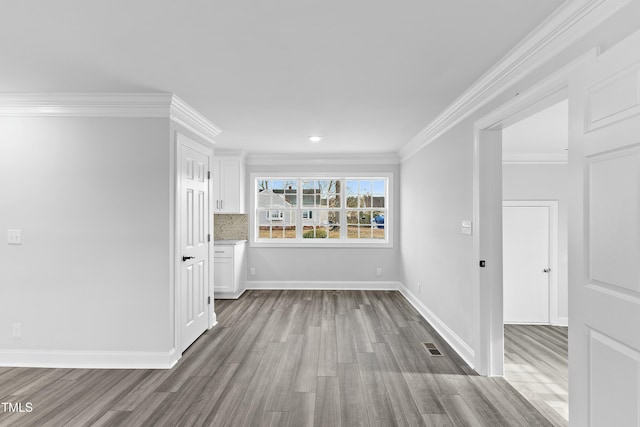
(379, 271)
(16, 330)
(252, 271)
(14, 237)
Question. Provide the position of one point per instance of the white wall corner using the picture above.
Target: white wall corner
(458, 344)
(567, 25)
(89, 359)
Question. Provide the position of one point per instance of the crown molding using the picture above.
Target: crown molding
(147, 105)
(185, 115)
(323, 159)
(571, 21)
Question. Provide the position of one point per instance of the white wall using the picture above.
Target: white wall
(544, 182)
(91, 196)
(324, 264)
(436, 197)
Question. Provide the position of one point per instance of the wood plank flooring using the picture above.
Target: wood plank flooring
(284, 358)
(536, 364)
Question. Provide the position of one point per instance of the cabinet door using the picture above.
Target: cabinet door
(223, 280)
(230, 186)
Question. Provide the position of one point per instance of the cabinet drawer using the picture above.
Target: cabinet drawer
(223, 251)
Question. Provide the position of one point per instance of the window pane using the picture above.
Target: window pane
(276, 224)
(378, 230)
(308, 200)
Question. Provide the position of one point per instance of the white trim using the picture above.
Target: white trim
(89, 359)
(535, 159)
(570, 22)
(323, 159)
(343, 242)
(323, 285)
(489, 346)
(185, 115)
(148, 105)
(230, 295)
(554, 260)
(563, 321)
(458, 344)
(545, 93)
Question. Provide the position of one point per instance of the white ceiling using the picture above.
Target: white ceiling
(366, 75)
(541, 137)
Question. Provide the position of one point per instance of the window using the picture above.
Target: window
(313, 211)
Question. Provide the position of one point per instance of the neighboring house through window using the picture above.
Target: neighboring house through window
(302, 210)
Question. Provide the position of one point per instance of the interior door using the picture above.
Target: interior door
(525, 246)
(604, 289)
(194, 259)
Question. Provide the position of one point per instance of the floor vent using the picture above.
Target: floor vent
(432, 349)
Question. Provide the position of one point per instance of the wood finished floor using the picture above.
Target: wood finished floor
(284, 358)
(536, 364)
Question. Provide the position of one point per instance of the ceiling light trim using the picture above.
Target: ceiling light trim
(141, 105)
(565, 26)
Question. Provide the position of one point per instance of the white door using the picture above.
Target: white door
(604, 250)
(194, 232)
(525, 246)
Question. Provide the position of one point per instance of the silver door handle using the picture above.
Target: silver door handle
(546, 270)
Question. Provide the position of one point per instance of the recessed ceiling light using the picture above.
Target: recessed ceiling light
(315, 138)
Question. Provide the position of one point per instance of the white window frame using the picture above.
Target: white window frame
(387, 242)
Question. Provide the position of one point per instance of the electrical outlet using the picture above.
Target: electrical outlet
(16, 330)
(252, 271)
(379, 271)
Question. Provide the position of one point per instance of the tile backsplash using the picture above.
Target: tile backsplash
(231, 227)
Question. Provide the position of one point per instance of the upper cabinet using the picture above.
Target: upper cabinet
(228, 183)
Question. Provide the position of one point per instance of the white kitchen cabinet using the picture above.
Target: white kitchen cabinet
(229, 274)
(228, 184)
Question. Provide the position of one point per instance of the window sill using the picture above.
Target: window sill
(322, 245)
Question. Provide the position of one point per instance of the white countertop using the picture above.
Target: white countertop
(229, 242)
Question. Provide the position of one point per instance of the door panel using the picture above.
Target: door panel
(525, 255)
(604, 247)
(195, 247)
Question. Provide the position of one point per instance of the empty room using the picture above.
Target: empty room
(294, 213)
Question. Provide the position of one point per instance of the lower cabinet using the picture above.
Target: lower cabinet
(228, 270)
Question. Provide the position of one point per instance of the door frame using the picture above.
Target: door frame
(181, 139)
(487, 209)
(554, 262)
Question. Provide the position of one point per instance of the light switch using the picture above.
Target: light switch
(14, 237)
(466, 227)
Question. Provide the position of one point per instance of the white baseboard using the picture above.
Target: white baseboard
(323, 285)
(228, 295)
(88, 359)
(457, 343)
(562, 321)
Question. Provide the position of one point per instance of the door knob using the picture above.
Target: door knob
(184, 258)
(546, 270)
